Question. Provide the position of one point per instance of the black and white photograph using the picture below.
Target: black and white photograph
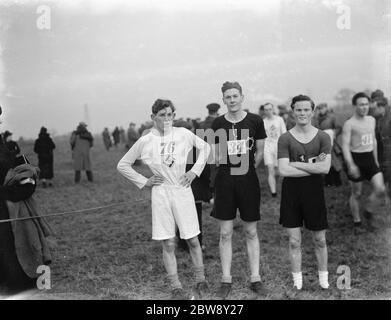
(220, 151)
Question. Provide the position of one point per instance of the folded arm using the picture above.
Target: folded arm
(286, 170)
(322, 167)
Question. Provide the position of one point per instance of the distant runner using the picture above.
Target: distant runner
(275, 127)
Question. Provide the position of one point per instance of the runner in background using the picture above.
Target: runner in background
(275, 127)
(359, 147)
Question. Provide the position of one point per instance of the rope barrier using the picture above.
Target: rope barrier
(73, 212)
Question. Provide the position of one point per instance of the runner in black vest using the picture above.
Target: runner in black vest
(240, 150)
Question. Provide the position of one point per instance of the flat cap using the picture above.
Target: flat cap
(213, 107)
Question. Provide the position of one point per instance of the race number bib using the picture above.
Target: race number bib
(367, 139)
(167, 153)
(236, 147)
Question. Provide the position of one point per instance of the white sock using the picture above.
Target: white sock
(324, 279)
(297, 280)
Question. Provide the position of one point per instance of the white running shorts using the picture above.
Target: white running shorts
(173, 206)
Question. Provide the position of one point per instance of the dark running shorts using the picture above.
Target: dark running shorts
(367, 165)
(302, 200)
(234, 192)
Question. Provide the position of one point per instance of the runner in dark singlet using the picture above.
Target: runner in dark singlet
(304, 154)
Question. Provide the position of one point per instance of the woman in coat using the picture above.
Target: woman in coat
(44, 147)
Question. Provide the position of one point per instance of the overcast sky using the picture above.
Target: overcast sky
(118, 57)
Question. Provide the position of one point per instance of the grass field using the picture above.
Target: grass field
(109, 254)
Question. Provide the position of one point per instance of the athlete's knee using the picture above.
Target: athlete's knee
(380, 191)
(193, 242)
(294, 243)
(169, 245)
(225, 235)
(251, 234)
(320, 242)
(356, 194)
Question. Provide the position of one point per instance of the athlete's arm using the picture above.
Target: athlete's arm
(322, 167)
(346, 137)
(125, 168)
(375, 152)
(259, 154)
(375, 144)
(286, 170)
(204, 151)
(203, 154)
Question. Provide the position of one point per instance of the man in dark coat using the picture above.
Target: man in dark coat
(132, 134)
(116, 134)
(377, 110)
(44, 147)
(385, 134)
(213, 109)
(200, 186)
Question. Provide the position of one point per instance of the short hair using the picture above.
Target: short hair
(261, 107)
(268, 103)
(377, 94)
(231, 85)
(321, 105)
(161, 104)
(382, 102)
(358, 96)
(302, 97)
